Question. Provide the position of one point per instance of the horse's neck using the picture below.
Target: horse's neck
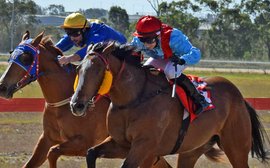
(132, 84)
(57, 86)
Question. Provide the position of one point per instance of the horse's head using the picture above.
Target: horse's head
(22, 68)
(102, 66)
(91, 73)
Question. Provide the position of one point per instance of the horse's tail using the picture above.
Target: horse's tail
(216, 155)
(259, 136)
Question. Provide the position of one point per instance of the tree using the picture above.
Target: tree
(232, 33)
(24, 18)
(40, 10)
(155, 4)
(177, 15)
(54, 9)
(261, 12)
(119, 18)
(95, 13)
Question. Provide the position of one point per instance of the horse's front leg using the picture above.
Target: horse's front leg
(40, 152)
(75, 146)
(160, 162)
(107, 149)
(141, 154)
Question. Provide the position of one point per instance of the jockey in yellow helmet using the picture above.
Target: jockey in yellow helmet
(81, 33)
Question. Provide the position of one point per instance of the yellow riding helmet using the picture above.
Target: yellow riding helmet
(75, 20)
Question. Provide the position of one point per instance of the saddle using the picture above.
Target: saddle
(186, 101)
(189, 106)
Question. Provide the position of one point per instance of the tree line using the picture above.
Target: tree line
(228, 30)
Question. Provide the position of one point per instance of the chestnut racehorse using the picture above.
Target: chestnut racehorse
(63, 133)
(144, 120)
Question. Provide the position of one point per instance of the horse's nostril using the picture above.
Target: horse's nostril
(79, 106)
(78, 109)
(3, 88)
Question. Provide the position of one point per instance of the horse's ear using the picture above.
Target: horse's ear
(37, 40)
(89, 48)
(109, 48)
(26, 35)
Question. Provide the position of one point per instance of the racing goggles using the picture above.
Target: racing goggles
(148, 40)
(73, 32)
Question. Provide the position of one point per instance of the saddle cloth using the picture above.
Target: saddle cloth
(188, 104)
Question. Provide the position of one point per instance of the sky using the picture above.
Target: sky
(131, 6)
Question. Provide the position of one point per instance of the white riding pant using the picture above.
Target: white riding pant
(167, 66)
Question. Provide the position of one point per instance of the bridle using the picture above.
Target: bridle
(140, 98)
(92, 55)
(32, 71)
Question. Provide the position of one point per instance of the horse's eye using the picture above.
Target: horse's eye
(90, 55)
(26, 59)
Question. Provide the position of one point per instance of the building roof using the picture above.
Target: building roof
(50, 20)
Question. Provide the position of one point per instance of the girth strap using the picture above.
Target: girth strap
(181, 135)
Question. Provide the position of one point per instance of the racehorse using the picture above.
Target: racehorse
(144, 120)
(63, 134)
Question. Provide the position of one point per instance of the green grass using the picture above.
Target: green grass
(2, 68)
(4, 57)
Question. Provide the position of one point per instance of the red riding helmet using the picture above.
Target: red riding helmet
(148, 26)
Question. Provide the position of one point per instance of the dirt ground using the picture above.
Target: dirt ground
(19, 133)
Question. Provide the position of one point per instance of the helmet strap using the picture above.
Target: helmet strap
(82, 32)
(157, 41)
(84, 26)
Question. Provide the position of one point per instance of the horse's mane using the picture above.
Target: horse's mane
(48, 44)
(123, 52)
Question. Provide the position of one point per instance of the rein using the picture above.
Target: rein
(140, 98)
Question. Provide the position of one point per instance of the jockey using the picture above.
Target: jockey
(166, 48)
(81, 33)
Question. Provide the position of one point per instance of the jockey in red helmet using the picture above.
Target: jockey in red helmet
(166, 46)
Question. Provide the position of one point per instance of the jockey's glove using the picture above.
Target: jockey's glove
(176, 60)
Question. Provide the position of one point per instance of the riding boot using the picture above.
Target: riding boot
(191, 91)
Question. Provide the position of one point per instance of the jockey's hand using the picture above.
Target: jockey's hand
(64, 60)
(176, 60)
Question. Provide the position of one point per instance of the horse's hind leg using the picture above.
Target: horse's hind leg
(235, 139)
(189, 159)
(237, 154)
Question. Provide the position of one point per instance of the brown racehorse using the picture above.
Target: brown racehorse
(144, 120)
(63, 134)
